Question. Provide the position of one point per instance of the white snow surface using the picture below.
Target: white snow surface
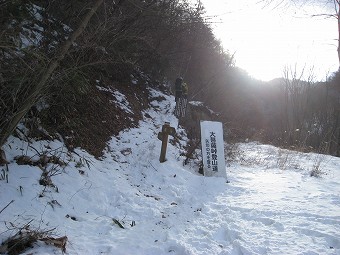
(271, 204)
(121, 101)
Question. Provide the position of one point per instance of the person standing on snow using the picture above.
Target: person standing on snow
(181, 97)
(178, 88)
(184, 99)
(178, 96)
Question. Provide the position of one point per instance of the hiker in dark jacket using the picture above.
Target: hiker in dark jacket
(178, 88)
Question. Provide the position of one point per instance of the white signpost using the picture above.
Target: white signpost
(213, 149)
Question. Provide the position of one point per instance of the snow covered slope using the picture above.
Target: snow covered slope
(129, 203)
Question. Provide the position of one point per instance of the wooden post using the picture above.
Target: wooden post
(163, 136)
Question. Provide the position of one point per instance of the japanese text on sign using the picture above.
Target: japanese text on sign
(213, 151)
(212, 148)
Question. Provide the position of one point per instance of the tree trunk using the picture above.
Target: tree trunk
(337, 131)
(41, 84)
(338, 19)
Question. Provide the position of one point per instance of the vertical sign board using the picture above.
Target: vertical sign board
(213, 149)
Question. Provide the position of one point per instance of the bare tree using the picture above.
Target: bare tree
(295, 108)
(39, 86)
(333, 6)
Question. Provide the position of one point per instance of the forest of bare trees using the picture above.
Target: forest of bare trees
(52, 52)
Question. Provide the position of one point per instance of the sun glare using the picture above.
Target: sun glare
(266, 40)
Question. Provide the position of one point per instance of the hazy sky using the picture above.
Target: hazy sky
(267, 39)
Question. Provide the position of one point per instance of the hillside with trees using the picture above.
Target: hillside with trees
(55, 54)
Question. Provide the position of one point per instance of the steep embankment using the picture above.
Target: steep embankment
(90, 119)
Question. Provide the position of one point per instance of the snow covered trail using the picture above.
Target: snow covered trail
(270, 206)
(262, 211)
